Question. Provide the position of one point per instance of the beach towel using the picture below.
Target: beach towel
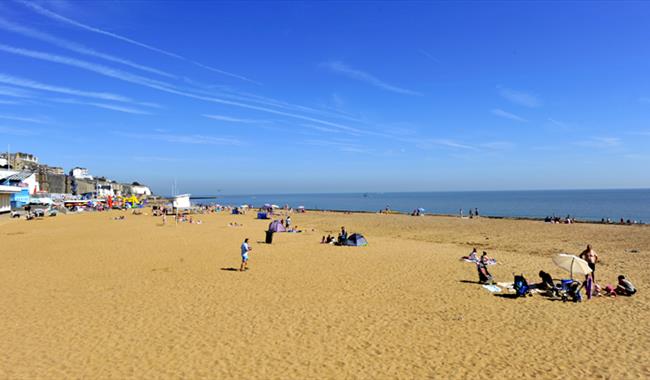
(489, 262)
(492, 288)
(507, 285)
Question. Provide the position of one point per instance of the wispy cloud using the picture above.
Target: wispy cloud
(8, 79)
(23, 119)
(156, 159)
(234, 119)
(9, 102)
(159, 85)
(77, 48)
(519, 97)
(362, 76)
(601, 142)
(342, 146)
(181, 139)
(100, 69)
(558, 123)
(507, 115)
(428, 55)
(15, 92)
(430, 143)
(497, 145)
(112, 107)
(16, 131)
(55, 16)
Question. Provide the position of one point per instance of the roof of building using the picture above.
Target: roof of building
(20, 176)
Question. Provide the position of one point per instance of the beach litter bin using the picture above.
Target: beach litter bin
(269, 237)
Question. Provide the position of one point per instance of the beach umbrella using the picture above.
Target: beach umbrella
(275, 206)
(572, 264)
(301, 206)
(421, 209)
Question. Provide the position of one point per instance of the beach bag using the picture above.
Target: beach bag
(521, 286)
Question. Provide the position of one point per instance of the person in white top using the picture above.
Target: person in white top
(245, 248)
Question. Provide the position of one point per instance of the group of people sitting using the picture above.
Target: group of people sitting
(186, 218)
(558, 220)
(341, 239)
(567, 289)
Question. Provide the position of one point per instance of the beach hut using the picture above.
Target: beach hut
(182, 201)
(6, 192)
(356, 240)
(276, 226)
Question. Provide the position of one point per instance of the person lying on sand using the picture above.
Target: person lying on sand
(294, 229)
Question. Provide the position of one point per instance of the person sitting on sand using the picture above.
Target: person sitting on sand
(547, 281)
(343, 236)
(473, 256)
(625, 287)
(322, 240)
(245, 248)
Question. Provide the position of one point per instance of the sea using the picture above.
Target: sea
(588, 205)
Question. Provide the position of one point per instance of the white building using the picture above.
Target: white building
(105, 189)
(80, 173)
(140, 190)
(20, 179)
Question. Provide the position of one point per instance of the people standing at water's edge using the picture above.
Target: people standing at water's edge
(591, 257)
(245, 248)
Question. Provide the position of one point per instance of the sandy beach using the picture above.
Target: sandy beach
(85, 296)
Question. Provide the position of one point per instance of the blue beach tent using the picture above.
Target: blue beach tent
(356, 240)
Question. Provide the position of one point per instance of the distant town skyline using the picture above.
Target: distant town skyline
(260, 98)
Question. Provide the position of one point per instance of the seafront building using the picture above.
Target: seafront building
(22, 177)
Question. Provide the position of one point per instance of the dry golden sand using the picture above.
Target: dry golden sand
(84, 296)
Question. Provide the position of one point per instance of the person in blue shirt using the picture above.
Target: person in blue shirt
(245, 248)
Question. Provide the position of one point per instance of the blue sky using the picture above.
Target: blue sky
(261, 97)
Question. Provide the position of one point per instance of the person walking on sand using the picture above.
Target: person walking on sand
(245, 248)
(591, 257)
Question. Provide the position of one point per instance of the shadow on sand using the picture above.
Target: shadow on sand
(231, 269)
(510, 296)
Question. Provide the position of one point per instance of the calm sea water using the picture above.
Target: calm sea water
(581, 204)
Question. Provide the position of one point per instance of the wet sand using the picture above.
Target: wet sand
(84, 296)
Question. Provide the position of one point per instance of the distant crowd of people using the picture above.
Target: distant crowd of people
(557, 220)
(473, 213)
(622, 221)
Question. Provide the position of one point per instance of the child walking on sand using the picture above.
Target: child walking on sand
(245, 248)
